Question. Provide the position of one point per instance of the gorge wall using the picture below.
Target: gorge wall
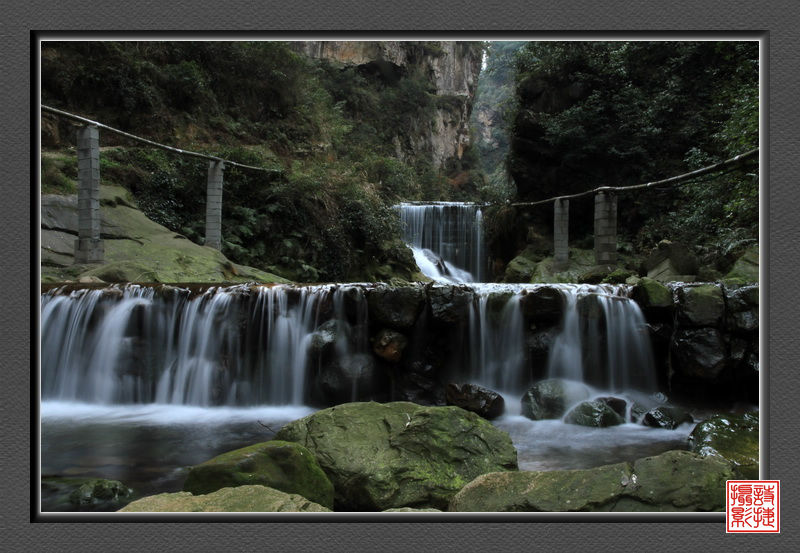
(450, 70)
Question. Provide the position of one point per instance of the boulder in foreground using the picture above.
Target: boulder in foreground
(383, 456)
(242, 499)
(672, 481)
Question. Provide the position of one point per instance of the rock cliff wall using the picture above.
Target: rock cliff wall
(451, 71)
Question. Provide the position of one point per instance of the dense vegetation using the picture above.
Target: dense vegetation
(328, 128)
(620, 113)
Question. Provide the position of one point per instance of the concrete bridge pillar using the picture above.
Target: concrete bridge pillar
(605, 228)
(560, 234)
(88, 246)
(214, 205)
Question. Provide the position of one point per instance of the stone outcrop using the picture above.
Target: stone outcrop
(451, 69)
(136, 248)
(482, 401)
(242, 499)
(383, 456)
(672, 481)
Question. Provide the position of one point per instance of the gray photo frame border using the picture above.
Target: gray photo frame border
(775, 19)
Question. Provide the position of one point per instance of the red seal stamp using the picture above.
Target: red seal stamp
(753, 506)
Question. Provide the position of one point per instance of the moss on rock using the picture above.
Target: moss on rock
(734, 438)
(382, 456)
(284, 466)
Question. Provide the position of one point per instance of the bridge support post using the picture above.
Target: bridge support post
(560, 234)
(88, 246)
(605, 228)
(214, 205)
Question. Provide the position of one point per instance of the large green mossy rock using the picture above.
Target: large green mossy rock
(383, 456)
(242, 499)
(549, 399)
(597, 414)
(521, 268)
(701, 305)
(136, 248)
(672, 481)
(745, 269)
(285, 466)
(652, 296)
(732, 437)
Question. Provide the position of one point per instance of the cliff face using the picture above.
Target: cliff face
(450, 70)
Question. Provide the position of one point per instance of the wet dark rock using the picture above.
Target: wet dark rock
(618, 405)
(450, 304)
(742, 314)
(483, 401)
(666, 416)
(549, 399)
(395, 307)
(543, 304)
(701, 305)
(595, 413)
(70, 493)
(699, 353)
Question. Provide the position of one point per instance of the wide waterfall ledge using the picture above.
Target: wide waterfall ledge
(250, 345)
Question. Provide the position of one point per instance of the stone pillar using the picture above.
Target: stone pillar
(214, 205)
(560, 234)
(605, 228)
(88, 246)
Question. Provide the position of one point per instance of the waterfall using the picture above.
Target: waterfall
(603, 341)
(129, 344)
(282, 345)
(446, 239)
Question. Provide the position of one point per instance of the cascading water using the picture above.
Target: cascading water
(123, 345)
(446, 239)
(604, 341)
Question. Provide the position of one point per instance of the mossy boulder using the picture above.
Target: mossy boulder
(521, 268)
(701, 305)
(383, 456)
(285, 466)
(732, 437)
(549, 399)
(596, 413)
(654, 299)
(745, 269)
(241, 499)
(672, 481)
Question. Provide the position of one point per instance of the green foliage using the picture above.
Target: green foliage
(621, 113)
(59, 174)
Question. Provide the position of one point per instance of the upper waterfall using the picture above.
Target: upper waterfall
(447, 240)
